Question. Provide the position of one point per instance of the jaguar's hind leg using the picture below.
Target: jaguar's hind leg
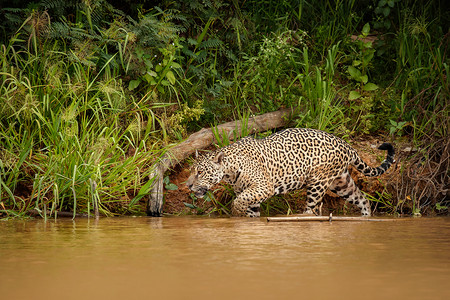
(314, 194)
(345, 187)
(254, 211)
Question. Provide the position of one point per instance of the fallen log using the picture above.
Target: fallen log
(329, 218)
(202, 139)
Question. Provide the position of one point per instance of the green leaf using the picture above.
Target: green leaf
(191, 41)
(391, 3)
(364, 79)
(207, 197)
(175, 65)
(382, 3)
(145, 190)
(171, 77)
(190, 205)
(440, 207)
(386, 11)
(392, 130)
(139, 52)
(354, 95)
(168, 185)
(368, 45)
(356, 63)
(133, 84)
(368, 57)
(171, 187)
(354, 73)
(370, 86)
(148, 63)
(366, 29)
(149, 78)
(205, 30)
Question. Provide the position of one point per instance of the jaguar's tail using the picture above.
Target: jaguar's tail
(361, 166)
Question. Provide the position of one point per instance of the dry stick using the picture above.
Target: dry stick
(329, 218)
(202, 139)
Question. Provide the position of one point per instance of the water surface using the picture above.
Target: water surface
(200, 258)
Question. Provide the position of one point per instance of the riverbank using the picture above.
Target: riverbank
(92, 96)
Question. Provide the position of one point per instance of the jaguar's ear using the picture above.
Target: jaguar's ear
(218, 159)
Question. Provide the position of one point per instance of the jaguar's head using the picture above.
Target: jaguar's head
(205, 173)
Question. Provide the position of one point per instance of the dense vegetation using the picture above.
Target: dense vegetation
(93, 92)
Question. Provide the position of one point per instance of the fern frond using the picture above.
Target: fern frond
(188, 52)
(211, 43)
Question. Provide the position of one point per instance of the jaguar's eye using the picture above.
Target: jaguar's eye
(199, 172)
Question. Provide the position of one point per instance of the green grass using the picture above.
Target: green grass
(70, 138)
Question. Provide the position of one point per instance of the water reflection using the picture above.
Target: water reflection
(185, 258)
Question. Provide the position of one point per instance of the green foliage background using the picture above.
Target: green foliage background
(93, 92)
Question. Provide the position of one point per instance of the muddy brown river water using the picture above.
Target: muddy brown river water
(222, 258)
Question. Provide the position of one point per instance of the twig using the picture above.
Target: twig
(329, 218)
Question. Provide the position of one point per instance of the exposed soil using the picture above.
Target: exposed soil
(175, 199)
(367, 148)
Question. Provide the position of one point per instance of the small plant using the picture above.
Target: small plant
(397, 127)
(194, 205)
(383, 11)
(384, 201)
(156, 73)
(177, 122)
(267, 73)
(441, 207)
(360, 65)
(322, 107)
(217, 206)
(169, 185)
(224, 138)
(416, 212)
(276, 205)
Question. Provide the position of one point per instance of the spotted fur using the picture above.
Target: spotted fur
(286, 161)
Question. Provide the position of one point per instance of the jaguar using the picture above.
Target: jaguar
(285, 161)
